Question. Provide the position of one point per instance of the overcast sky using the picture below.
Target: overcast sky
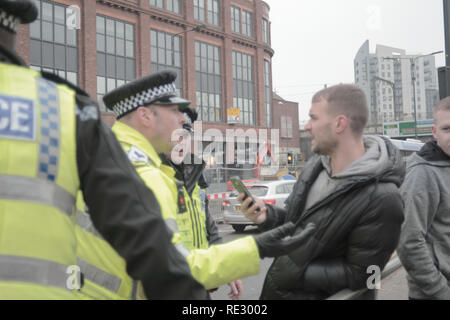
(315, 41)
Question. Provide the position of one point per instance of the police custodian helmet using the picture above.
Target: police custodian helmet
(15, 12)
(157, 88)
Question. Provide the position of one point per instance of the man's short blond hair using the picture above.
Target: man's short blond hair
(348, 100)
(443, 105)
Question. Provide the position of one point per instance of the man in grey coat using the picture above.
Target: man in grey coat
(424, 246)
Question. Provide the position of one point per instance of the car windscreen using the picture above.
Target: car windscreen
(259, 191)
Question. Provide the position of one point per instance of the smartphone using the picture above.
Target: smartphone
(241, 188)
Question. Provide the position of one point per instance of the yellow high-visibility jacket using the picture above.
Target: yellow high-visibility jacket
(191, 218)
(212, 267)
(104, 270)
(38, 186)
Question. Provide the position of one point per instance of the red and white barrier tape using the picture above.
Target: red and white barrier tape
(217, 196)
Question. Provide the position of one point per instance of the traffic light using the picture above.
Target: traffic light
(289, 158)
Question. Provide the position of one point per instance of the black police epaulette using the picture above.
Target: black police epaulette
(57, 79)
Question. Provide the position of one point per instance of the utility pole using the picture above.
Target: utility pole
(375, 113)
(447, 31)
(413, 77)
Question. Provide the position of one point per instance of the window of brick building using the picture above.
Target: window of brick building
(53, 47)
(211, 7)
(166, 55)
(199, 10)
(247, 24)
(209, 81)
(235, 19)
(116, 60)
(244, 87)
(267, 93)
(286, 126)
(265, 30)
(157, 3)
(169, 5)
(173, 5)
(213, 12)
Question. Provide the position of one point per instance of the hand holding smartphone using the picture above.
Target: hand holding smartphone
(241, 188)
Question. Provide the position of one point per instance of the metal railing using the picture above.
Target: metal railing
(216, 209)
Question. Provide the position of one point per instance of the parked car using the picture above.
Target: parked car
(271, 192)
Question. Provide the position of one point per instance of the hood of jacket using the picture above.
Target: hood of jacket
(429, 155)
(382, 161)
(431, 152)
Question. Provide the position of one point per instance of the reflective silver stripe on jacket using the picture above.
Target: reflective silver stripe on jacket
(134, 290)
(183, 250)
(36, 190)
(85, 223)
(98, 276)
(172, 225)
(32, 270)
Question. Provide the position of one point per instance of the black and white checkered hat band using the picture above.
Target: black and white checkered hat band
(9, 21)
(129, 104)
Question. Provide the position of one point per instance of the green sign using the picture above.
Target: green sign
(406, 129)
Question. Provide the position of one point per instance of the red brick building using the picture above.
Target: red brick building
(286, 120)
(99, 45)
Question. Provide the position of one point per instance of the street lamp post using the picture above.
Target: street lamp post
(413, 77)
(287, 135)
(196, 28)
(412, 60)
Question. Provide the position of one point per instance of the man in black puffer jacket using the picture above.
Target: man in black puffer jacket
(350, 191)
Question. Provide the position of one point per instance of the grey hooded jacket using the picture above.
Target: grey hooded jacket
(424, 247)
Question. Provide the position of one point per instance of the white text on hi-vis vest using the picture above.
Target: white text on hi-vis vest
(17, 118)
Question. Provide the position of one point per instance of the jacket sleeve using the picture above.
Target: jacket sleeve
(212, 232)
(275, 217)
(126, 213)
(371, 243)
(421, 195)
(223, 263)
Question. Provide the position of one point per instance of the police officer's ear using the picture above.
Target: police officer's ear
(146, 114)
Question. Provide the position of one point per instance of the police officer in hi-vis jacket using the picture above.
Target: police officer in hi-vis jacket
(53, 144)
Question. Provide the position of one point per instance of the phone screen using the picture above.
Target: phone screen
(241, 188)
